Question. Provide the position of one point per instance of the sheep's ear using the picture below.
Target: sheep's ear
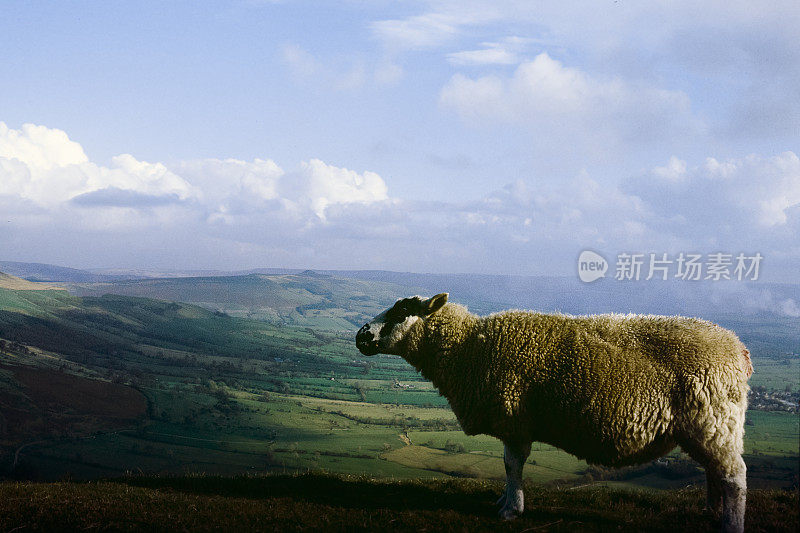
(434, 304)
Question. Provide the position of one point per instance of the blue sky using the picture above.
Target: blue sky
(417, 135)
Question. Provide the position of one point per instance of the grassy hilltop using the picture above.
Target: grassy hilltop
(260, 375)
(358, 503)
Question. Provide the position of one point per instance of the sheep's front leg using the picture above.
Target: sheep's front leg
(513, 501)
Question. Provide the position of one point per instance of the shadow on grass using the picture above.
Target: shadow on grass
(353, 492)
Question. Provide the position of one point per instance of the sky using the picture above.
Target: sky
(428, 136)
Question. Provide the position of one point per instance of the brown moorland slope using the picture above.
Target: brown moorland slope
(39, 403)
(318, 502)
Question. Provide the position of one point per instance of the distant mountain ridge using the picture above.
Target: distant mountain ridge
(42, 272)
(307, 298)
(483, 293)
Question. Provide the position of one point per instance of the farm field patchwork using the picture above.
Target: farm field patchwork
(227, 395)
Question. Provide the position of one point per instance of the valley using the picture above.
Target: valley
(258, 373)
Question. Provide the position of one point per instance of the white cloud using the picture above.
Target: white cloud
(673, 171)
(40, 147)
(505, 52)
(232, 188)
(221, 179)
(440, 23)
(323, 215)
(560, 101)
(744, 54)
(789, 307)
(737, 194)
(319, 185)
(493, 55)
(417, 32)
(43, 165)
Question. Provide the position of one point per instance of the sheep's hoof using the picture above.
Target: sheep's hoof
(509, 513)
(714, 516)
(714, 513)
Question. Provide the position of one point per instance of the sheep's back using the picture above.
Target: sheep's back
(606, 387)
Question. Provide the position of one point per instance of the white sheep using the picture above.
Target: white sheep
(611, 389)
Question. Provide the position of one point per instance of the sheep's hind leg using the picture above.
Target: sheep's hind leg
(734, 494)
(726, 472)
(513, 501)
(713, 496)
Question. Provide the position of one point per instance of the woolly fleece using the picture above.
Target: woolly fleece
(612, 389)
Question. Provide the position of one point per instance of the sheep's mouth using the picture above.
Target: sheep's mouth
(368, 347)
(366, 341)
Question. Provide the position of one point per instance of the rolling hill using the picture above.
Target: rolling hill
(98, 385)
(45, 272)
(306, 299)
(8, 281)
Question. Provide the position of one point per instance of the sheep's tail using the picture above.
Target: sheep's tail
(747, 361)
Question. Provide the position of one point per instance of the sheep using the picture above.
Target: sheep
(611, 389)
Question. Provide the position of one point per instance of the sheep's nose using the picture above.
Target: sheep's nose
(364, 334)
(366, 342)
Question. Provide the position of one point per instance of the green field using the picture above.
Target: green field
(230, 395)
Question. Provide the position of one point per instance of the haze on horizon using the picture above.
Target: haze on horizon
(428, 136)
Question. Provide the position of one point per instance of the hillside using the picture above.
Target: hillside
(306, 299)
(45, 272)
(342, 301)
(232, 395)
(316, 502)
(8, 281)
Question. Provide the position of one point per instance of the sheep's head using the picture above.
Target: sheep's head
(384, 332)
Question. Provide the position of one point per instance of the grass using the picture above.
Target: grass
(360, 503)
(777, 373)
(229, 395)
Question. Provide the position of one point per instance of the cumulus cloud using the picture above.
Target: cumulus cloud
(233, 187)
(233, 184)
(230, 213)
(545, 95)
(751, 192)
(43, 165)
(40, 147)
(114, 197)
(749, 48)
(321, 185)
